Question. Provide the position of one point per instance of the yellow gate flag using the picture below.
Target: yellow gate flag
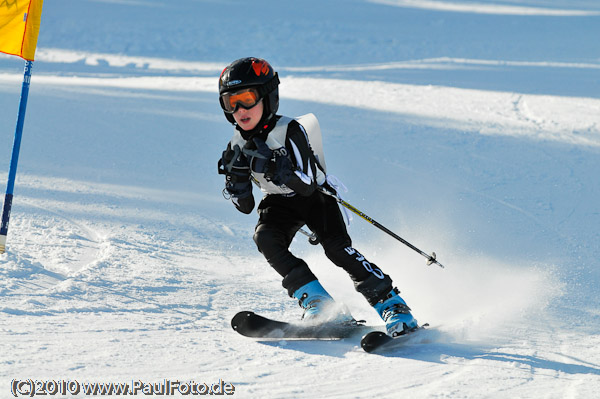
(20, 26)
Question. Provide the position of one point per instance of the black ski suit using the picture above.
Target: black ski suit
(287, 207)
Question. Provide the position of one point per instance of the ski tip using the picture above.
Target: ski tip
(377, 340)
(240, 319)
(374, 340)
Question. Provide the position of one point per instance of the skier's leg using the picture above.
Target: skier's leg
(273, 242)
(278, 222)
(325, 219)
(277, 225)
(369, 279)
(298, 279)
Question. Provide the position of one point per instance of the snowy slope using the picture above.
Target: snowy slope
(470, 128)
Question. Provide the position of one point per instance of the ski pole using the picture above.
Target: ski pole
(430, 258)
(312, 237)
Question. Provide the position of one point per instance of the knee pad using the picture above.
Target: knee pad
(269, 241)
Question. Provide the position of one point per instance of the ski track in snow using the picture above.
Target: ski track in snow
(125, 264)
(482, 8)
(537, 117)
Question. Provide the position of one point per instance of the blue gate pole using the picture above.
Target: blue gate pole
(10, 186)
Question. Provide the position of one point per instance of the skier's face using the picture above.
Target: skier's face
(247, 119)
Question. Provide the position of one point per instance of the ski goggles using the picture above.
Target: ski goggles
(245, 98)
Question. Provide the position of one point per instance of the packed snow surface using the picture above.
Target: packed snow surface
(469, 128)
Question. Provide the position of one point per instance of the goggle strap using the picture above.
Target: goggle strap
(269, 86)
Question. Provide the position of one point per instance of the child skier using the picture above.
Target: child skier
(274, 152)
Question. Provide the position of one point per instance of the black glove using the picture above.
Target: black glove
(281, 170)
(234, 165)
(261, 155)
(274, 164)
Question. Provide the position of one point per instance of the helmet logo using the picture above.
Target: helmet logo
(260, 67)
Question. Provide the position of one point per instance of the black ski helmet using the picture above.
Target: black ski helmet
(256, 73)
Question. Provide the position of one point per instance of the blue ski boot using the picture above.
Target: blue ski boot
(395, 313)
(319, 306)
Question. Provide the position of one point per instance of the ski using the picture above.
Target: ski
(252, 325)
(376, 341)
